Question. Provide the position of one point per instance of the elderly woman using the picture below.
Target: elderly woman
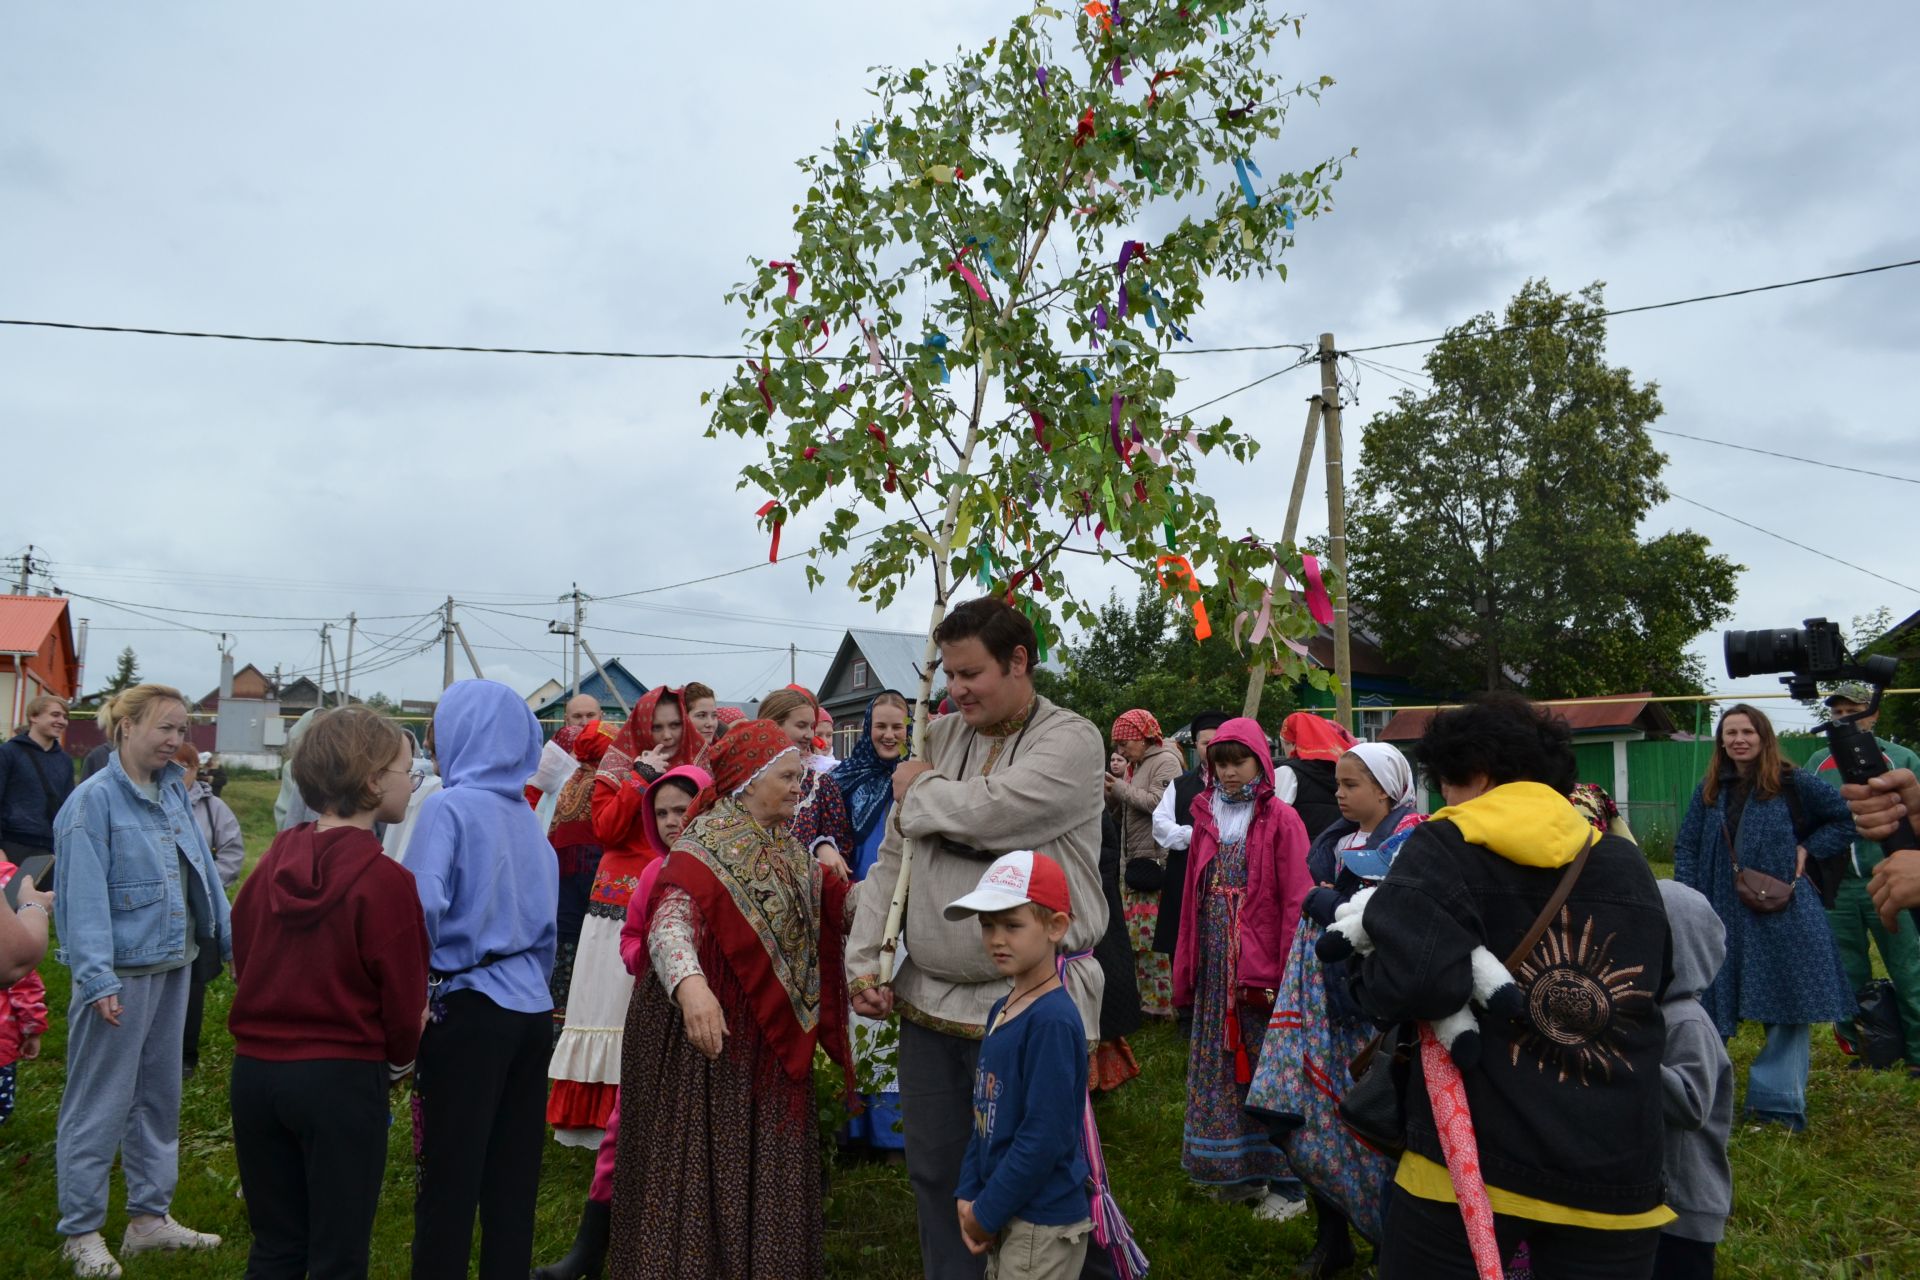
(1565, 1097)
(1144, 766)
(1754, 811)
(719, 1170)
(137, 901)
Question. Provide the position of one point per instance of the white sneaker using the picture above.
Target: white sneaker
(165, 1233)
(90, 1257)
(1274, 1207)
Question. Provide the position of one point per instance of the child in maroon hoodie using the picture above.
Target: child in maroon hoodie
(330, 965)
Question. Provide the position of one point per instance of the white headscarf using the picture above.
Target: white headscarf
(1388, 767)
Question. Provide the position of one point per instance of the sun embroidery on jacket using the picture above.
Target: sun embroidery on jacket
(1580, 1003)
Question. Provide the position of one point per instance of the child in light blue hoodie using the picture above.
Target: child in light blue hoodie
(489, 889)
(1697, 1093)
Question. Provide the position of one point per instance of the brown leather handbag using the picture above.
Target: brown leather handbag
(1758, 892)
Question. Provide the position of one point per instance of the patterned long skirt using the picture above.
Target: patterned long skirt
(1222, 1146)
(1153, 969)
(719, 1169)
(1302, 1072)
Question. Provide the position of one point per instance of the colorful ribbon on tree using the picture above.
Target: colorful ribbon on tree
(793, 276)
(1183, 573)
(1317, 602)
(1243, 166)
(770, 509)
(959, 264)
(936, 344)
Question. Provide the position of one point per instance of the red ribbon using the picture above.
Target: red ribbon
(1039, 430)
(793, 276)
(1084, 131)
(1317, 603)
(1183, 572)
(773, 551)
(765, 373)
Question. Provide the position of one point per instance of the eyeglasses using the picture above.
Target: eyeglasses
(414, 779)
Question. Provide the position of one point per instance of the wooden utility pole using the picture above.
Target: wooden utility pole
(446, 645)
(1337, 530)
(576, 639)
(353, 625)
(1257, 682)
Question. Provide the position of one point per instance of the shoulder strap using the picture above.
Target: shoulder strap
(1561, 892)
(1796, 812)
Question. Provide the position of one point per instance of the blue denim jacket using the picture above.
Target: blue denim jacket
(118, 897)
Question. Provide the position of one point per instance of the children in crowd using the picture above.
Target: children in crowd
(1697, 1090)
(23, 1020)
(490, 891)
(330, 970)
(1022, 1198)
(1246, 880)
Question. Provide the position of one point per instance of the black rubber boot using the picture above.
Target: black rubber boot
(1332, 1248)
(589, 1252)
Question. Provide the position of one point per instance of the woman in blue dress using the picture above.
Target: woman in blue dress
(865, 779)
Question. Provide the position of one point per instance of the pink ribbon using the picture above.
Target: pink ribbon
(873, 349)
(1317, 602)
(966, 273)
(1460, 1148)
(1039, 430)
(793, 276)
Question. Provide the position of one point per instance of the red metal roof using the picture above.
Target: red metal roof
(1613, 713)
(26, 620)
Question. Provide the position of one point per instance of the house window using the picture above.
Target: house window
(859, 674)
(1368, 723)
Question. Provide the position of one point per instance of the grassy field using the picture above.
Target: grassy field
(1841, 1200)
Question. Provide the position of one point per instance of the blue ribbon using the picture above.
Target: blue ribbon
(1286, 215)
(986, 251)
(1243, 166)
(936, 344)
(865, 143)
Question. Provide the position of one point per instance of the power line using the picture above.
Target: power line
(376, 344)
(1790, 542)
(1206, 404)
(1661, 306)
(1811, 462)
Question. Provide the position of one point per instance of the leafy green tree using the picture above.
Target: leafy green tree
(1874, 633)
(1145, 656)
(126, 673)
(923, 346)
(1495, 536)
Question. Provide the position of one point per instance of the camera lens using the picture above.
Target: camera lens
(1759, 653)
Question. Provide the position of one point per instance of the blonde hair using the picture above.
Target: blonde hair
(781, 703)
(42, 702)
(133, 706)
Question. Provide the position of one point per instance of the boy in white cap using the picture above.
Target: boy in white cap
(1023, 1183)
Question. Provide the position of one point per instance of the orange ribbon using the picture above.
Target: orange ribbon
(773, 551)
(1183, 572)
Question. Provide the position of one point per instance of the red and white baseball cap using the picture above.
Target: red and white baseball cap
(1014, 879)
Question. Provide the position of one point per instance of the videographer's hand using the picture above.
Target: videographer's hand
(1880, 803)
(1896, 886)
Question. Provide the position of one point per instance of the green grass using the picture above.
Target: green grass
(1841, 1200)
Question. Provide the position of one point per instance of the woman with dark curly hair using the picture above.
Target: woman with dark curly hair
(1566, 1096)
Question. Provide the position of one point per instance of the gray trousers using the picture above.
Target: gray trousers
(936, 1113)
(122, 1096)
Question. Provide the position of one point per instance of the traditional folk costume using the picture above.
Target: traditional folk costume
(576, 849)
(586, 1062)
(1317, 1029)
(1246, 881)
(1133, 802)
(864, 781)
(719, 1174)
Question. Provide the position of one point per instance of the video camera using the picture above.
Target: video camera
(1810, 655)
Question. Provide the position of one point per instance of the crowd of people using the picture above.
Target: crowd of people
(1483, 1040)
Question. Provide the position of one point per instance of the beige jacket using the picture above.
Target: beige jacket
(1133, 802)
(1042, 793)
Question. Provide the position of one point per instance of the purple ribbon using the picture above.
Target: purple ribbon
(1113, 425)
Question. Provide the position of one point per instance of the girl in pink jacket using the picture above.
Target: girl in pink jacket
(1246, 879)
(23, 1020)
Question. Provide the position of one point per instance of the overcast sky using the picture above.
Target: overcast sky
(596, 175)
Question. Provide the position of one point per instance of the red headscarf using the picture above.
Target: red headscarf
(1315, 737)
(730, 715)
(733, 761)
(1137, 726)
(636, 737)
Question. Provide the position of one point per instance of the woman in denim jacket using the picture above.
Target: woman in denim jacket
(138, 904)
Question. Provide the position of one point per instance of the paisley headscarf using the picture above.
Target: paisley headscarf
(1313, 737)
(748, 750)
(865, 779)
(1137, 726)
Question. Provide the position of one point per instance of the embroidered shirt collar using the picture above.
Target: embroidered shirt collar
(1013, 724)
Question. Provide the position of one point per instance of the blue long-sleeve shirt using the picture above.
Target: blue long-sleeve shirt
(1024, 1159)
